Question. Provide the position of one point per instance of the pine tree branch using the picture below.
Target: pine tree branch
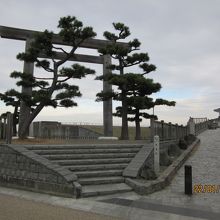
(59, 63)
(60, 48)
(135, 49)
(133, 64)
(53, 60)
(41, 87)
(47, 69)
(75, 46)
(64, 80)
(43, 78)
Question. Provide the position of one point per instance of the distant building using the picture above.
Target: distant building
(217, 110)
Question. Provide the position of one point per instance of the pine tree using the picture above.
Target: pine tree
(53, 89)
(139, 89)
(125, 57)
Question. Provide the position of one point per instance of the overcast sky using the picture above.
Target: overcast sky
(182, 39)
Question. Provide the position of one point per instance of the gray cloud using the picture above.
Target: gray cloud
(181, 37)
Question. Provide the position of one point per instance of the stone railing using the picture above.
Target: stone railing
(167, 131)
(197, 125)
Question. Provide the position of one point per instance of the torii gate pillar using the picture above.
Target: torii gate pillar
(24, 109)
(107, 105)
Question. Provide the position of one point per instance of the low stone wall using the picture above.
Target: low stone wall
(21, 168)
(165, 178)
(143, 156)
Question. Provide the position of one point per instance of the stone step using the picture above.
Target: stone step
(98, 167)
(98, 173)
(101, 180)
(104, 189)
(86, 151)
(83, 146)
(92, 161)
(89, 156)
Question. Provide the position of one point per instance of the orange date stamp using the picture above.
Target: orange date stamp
(206, 188)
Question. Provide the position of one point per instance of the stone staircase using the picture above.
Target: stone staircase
(98, 167)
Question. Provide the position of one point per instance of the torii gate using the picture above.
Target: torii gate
(27, 35)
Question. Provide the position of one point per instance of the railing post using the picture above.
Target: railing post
(9, 128)
(1, 128)
(156, 155)
(181, 133)
(162, 130)
(206, 124)
(4, 128)
(170, 131)
(177, 132)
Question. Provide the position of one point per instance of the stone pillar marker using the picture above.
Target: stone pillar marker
(24, 109)
(156, 155)
(191, 125)
(152, 128)
(107, 105)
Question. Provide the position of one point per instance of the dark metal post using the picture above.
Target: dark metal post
(188, 180)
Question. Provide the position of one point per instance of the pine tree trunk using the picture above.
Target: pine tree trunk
(138, 127)
(124, 108)
(22, 134)
(23, 130)
(14, 121)
(124, 115)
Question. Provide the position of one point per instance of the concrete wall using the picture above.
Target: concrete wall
(53, 129)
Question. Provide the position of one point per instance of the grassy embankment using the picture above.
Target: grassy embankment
(145, 131)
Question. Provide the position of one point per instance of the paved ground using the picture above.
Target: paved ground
(206, 171)
(170, 203)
